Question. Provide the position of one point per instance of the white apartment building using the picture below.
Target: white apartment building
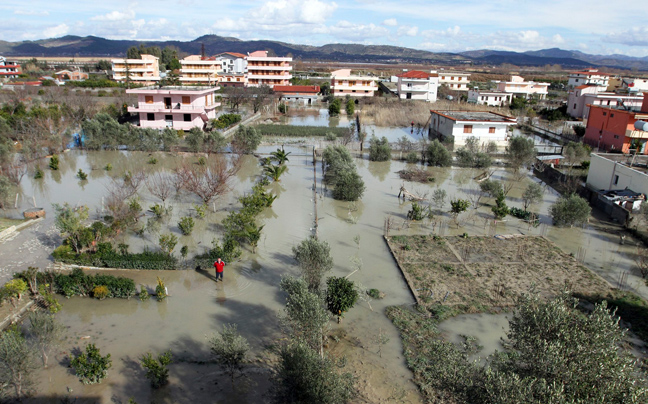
(490, 98)
(344, 83)
(199, 70)
(460, 125)
(232, 63)
(268, 70)
(588, 76)
(581, 97)
(418, 85)
(454, 80)
(520, 88)
(635, 85)
(144, 71)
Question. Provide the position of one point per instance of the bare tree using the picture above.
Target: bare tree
(160, 185)
(235, 96)
(207, 181)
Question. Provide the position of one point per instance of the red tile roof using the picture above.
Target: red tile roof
(297, 89)
(582, 86)
(238, 55)
(415, 74)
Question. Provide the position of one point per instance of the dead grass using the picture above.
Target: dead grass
(5, 223)
(416, 174)
(477, 273)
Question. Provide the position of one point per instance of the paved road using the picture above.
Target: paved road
(31, 246)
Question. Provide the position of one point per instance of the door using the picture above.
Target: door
(168, 119)
(167, 102)
(408, 96)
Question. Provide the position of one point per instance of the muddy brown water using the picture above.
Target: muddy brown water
(250, 296)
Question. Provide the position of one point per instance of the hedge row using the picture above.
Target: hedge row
(107, 257)
(226, 120)
(299, 131)
(80, 284)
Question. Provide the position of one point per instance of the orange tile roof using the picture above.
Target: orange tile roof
(238, 55)
(415, 74)
(296, 89)
(582, 86)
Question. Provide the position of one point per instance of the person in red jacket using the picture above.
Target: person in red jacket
(220, 266)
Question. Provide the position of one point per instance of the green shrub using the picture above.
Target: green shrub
(350, 106)
(341, 295)
(335, 105)
(54, 162)
(374, 294)
(282, 108)
(418, 212)
(246, 139)
(379, 149)
(82, 176)
(160, 290)
(186, 225)
(152, 160)
(437, 154)
(330, 136)
(108, 167)
(570, 210)
(226, 120)
(349, 186)
(38, 174)
(156, 369)
(144, 294)
(79, 284)
(412, 157)
(90, 366)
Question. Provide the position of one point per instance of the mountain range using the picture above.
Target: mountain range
(92, 46)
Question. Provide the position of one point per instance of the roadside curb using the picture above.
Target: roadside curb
(12, 229)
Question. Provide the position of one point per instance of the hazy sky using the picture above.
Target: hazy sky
(592, 26)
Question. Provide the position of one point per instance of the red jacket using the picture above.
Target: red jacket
(219, 266)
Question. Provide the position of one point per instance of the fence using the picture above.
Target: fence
(246, 121)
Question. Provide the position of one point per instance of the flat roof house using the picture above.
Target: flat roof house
(588, 77)
(581, 97)
(418, 85)
(344, 83)
(520, 88)
(460, 125)
(490, 98)
(455, 80)
(174, 106)
(199, 70)
(268, 70)
(144, 71)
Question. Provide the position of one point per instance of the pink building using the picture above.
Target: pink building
(174, 107)
(520, 88)
(344, 83)
(582, 97)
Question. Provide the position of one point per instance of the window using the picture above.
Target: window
(186, 99)
(608, 102)
(467, 129)
(604, 113)
(574, 106)
(616, 136)
(187, 117)
(491, 129)
(148, 99)
(616, 179)
(611, 115)
(150, 116)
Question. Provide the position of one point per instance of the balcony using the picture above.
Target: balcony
(175, 108)
(636, 134)
(413, 89)
(356, 87)
(266, 76)
(269, 67)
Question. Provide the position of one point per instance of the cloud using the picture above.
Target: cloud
(281, 12)
(57, 31)
(405, 30)
(635, 36)
(347, 30)
(115, 16)
(459, 40)
(391, 22)
(31, 12)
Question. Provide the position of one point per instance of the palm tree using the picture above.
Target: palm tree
(274, 172)
(280, 156)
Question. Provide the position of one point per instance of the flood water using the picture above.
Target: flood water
(250, 297)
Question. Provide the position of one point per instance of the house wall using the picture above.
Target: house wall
(603, 175)
(419, 89)
(606, 128)
(442, 127)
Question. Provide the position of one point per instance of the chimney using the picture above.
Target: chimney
(644, 105)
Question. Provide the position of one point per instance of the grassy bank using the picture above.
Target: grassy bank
(298, 131)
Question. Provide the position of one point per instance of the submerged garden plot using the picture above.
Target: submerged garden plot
(476, 273)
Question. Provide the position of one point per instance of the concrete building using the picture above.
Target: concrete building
(344, 83)
(588, 77)
(460, 125)
(615, 172)
(232, 63)
(233, 80)
(520, 88)
(634, 85)
(199, 70)
(174, 107)
(306, 95)
(268, 70)
(9, 69)
(455, 80)
(418, 85)
(611, 128)
(581, 97)
(144, 71)
(490, 98)
(71, 75)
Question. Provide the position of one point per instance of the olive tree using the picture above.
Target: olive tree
(45, 332)
(570, 210)
(230, 349)
(520, 152)
(305, 317)
(303, 376)
(17, 364)
(246, 139)
(532, 195)
(379, 149)
(314, 259)
(341, 295)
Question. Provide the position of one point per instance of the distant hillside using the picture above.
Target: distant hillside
(92, 46)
